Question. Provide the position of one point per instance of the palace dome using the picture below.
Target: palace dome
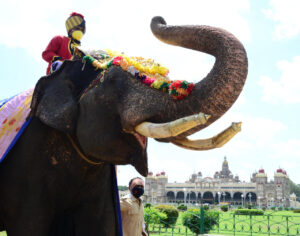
(261, 173)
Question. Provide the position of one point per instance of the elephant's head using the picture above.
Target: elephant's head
(111, 120)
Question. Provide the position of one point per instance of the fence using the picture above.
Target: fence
(229, 223)
(267, 224)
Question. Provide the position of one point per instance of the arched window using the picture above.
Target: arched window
(208, 197)
(180, 196)
(170, 196)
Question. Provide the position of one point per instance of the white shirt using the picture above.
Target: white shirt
(132, 210)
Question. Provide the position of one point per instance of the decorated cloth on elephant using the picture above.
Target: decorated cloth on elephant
(13, 114)
(62, 48)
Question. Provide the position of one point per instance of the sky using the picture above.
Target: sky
(268, 106)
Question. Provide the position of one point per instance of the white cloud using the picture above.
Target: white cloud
(287, 89)
(285, 154)
(289, 149)
(31, 24)
(115, 24)
(286, 15)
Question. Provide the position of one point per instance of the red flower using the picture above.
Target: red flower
(190, 88)
(177, 83)
(117, 60)
(148, 81)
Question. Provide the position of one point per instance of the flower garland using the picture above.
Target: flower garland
(146, 70)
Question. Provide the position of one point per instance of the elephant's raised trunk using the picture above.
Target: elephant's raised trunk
(216, 93)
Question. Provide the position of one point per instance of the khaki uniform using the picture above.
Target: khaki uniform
(132, 211)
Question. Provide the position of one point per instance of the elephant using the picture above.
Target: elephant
(58, 179)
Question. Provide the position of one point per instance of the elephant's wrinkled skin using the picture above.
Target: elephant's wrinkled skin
(47, 189)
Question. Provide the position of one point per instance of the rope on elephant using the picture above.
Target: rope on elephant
(147, 70)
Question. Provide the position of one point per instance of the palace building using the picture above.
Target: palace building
(223, 187)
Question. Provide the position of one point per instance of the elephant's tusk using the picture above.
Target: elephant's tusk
(173, 128)
(215, 142)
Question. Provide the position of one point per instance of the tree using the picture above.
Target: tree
(295, 188)
(122, 188)
(171, 212)
(153, 216)
(182, 207)
(192, 217)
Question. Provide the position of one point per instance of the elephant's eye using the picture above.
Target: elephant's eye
(70, 84)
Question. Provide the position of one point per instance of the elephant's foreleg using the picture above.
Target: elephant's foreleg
(29, 223)
(95, 219)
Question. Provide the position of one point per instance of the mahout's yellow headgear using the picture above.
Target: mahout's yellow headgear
(75, 21)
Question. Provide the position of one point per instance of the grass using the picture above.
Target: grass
(276, 221)
(179, 229)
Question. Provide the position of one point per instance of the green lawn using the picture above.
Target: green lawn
(279, 223)
(272, 223)
(179, 229)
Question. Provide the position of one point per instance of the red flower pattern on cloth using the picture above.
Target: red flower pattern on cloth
(12, 121)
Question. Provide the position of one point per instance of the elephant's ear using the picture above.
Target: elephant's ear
(53, 102)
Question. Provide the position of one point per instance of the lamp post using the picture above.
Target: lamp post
(201, 216)
(250, 195)
(272, 202)
(242, 200)
(283, 202)
(152, 195)
(279, 202)
(224, 194)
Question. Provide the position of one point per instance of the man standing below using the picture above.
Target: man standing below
(132, 209)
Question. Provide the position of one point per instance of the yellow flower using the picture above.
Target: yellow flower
(157, 83)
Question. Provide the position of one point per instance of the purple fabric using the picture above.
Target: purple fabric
(13, 114)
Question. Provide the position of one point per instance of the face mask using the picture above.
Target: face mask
(77, 34)
(137, 191)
